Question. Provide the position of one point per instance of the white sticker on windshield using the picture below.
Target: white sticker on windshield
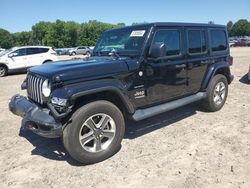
(137, 33)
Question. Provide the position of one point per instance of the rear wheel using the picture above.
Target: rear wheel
(73, 53)
(216, 93)
(3, 71)
(94, 132)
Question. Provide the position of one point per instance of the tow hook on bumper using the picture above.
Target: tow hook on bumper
(34, 118)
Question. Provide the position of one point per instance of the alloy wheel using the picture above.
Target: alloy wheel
(97, 133)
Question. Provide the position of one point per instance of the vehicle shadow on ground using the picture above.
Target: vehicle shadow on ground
(136, 129)
(244, 80)
(53, 148)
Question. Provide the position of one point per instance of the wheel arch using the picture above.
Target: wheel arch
(109, 93)
(47, 60)
(215, 69)
(4, 65)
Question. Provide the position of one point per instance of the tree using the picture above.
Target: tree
(6, 39)
(22, 38)
(90, 32)
(39, 32)
(241, 28)
(229, 28)
(59, 34)
(70, 33)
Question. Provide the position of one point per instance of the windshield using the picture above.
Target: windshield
(5, 52)
(125, 41)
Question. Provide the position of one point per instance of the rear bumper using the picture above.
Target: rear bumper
(36, 119)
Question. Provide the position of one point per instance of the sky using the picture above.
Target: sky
(20, 15)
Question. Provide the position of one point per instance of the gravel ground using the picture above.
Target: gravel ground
(187, 147)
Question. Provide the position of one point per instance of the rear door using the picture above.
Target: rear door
(197, 57)
(32, 56)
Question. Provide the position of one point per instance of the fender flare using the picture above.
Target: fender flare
(212, 71)
(74, 92)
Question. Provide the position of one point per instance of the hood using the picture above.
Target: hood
(79, 69)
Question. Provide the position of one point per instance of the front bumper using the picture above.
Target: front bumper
(36, 119)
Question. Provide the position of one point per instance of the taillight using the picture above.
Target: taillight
(53, 53)
(230, 60)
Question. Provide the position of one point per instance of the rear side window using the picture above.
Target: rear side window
(196, 42)
(43, 50)
(218, 40)
(171, 39)
(32, 51)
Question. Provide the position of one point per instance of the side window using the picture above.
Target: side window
(32, 51)
(19, 52)
(171, 39)
(218, 40)
(196, 41)
(43, 50)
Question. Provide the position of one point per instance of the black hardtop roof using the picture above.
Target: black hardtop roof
(175, 24)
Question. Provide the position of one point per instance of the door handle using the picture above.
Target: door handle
(181, 66)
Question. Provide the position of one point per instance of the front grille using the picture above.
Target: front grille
(34, 88)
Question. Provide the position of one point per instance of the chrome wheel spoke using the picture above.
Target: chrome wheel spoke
(86, 138)
(91, 124)
(103, 122)
(97, 144)
(108, 134)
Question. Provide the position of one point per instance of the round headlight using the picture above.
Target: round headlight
(46, 90)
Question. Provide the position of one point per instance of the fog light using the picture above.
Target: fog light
(59, 101)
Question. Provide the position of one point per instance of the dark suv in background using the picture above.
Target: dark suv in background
(135, 72)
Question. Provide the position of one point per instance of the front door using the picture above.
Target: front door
(166, 78)
(18, 59)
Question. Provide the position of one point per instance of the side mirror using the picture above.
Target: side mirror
(157, 50)
(12, 55)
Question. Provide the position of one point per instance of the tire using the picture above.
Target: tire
(87, 151)
(88, 54)
(73, 53)
(3, 71)
(216, 95)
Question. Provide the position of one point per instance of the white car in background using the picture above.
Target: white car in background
(21, 58)
(1, 50)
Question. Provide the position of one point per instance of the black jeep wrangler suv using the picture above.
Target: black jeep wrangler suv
(137, 72)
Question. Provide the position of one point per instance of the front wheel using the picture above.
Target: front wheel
(216, 93)
(3, 71)
(94, 132)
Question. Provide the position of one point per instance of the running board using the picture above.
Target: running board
(152, 111)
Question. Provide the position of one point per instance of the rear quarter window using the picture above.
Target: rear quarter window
(43, 50)
(218, 40)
